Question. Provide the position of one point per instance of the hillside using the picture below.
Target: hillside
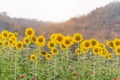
(102, 23)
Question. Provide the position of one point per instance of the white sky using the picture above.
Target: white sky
(50, 10)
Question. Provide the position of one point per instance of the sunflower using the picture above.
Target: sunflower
(33, 57)
(5, 34)
(59, 38)
(19, 45)
(10, 34)
(110, 44)
(10, 42)
(67, 42)
(104, 53)
(97, 50)
(53, 36)
(29, 32)
(48, 56)
(54, 51)
(117, 50)
(116, 42)
(86, 44)
(41, 41)
(13, 38)
(78, 51)
(16, 34)
(77, 37)
(33, 39)
(62, 47)
(51, 44)
(26, 40)
(42, 52)
(84, 49)
(110, 56)
(93, 42)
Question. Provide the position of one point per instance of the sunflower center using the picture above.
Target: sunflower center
(54, 50)
(29, 32)
(118, 50)
(40, 40)
(87, 44)
(5, 34)
(52, 45)
(67, 42)
(33, 57)
(19, 45)
(96, 50)
(117, 43)
(43, 53)
(77, 38)
(59, 38)
(93, 43)
(33, 38)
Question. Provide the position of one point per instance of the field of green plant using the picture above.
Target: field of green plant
(61, 57)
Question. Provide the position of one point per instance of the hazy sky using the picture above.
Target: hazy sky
(50, 10)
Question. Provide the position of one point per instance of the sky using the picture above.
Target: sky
(50, 10)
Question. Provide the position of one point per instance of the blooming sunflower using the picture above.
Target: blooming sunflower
(86, 44)
(117, 50)
(93, 42)
(97, 50)
(62, 47)
(26, 40)
(11, 42)
(110, 44)
(110, 56)
(42, 52)
(19, 45)
(48, 56)
(5, 34)
(33, 39)
(67, 42)
(33, 57)
(59, 38)
(29, 32)
(116, 42)
(54, 51)
(51, 44)
(77, 37)
(41, 41)
(78, 51)
(104, 53)
(53, 36)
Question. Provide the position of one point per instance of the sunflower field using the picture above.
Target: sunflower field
(61, 57)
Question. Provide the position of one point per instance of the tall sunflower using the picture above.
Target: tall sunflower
(29, 32)
(67, 42)
(110, 44)
(54, 51)
(93, 42)
(33, 57)
(59, 38)
(117, 51)
(42, 52)
(116, 42)
(77, 37)
(19, 45)
(41, 41)
(78, 51)
(51, 44)
(5, 34)
(48, 56)
(26, 40)
(110, 56)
